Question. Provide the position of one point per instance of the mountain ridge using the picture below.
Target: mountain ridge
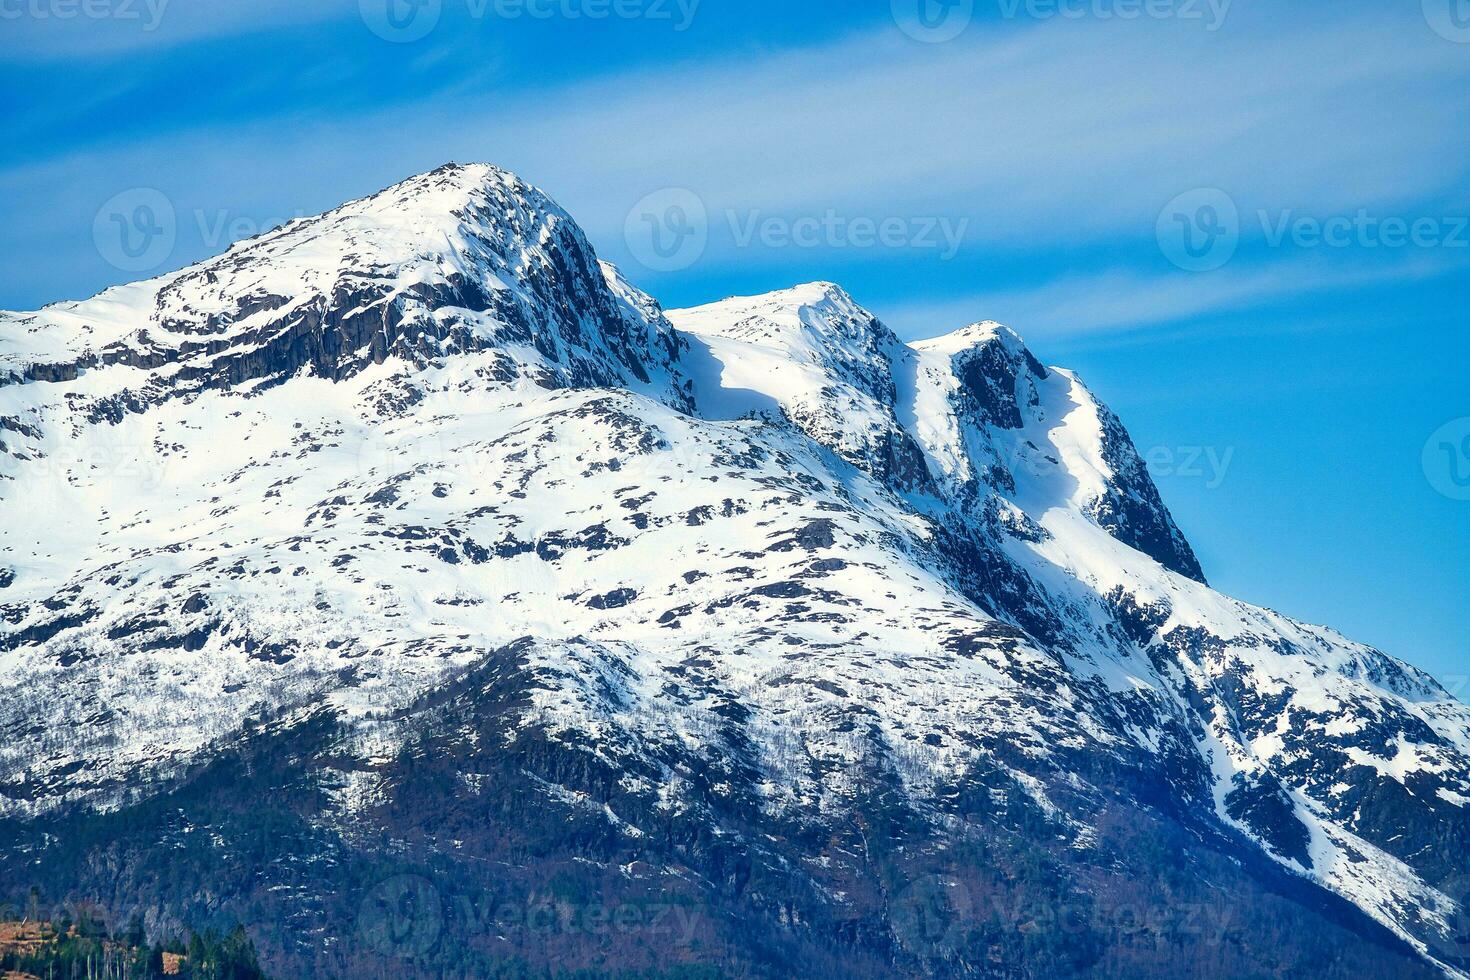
(719, 587)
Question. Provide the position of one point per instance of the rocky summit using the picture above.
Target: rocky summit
(408, 586)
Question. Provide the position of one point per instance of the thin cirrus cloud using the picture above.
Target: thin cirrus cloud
(1121, 299)
(1043, 137)
(40, 31)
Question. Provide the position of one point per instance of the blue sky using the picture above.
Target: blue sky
(1243, 222)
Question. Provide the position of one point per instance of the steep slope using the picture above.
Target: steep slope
(462, 260)
(157, 433)
(813, 356)
(946, 413)
(408, 554)
(1297, 725)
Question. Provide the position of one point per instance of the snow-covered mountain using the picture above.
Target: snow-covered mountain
(412, 540)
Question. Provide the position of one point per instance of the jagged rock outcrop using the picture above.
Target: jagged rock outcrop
(408, 561)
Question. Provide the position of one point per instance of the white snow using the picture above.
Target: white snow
(353, 543)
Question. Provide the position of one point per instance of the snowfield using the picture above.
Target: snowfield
(338, 464)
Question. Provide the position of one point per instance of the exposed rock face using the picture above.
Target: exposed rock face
(407, 585)
(1131, 509)
(462, 260)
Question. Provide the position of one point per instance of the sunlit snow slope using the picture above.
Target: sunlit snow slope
(341, 465)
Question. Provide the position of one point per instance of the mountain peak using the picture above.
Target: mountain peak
(817, 316)
(816, 292)
(429, 214)
(466, 258)
(975, 335)
(448, 188)
(415, 507)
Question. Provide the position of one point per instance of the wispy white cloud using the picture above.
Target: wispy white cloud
(42, 30)
(1126, 300)
(1048, 138)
